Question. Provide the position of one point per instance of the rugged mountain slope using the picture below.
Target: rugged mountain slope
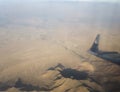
(61, 79)
(104, 78)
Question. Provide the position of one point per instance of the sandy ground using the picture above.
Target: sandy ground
(28, 50)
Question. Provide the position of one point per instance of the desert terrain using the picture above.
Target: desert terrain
(43, 46)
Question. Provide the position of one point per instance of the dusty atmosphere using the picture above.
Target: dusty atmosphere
(43, 46)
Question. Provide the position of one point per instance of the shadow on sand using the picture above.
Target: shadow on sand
(74, 74)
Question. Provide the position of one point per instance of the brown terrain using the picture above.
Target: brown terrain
(50, 55)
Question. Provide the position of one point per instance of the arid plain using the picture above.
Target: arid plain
(40, 40)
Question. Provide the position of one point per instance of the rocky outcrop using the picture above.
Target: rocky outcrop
(62, 79)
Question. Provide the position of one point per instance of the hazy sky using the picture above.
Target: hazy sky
(35, 13)
(66, 0)
(97, 0)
